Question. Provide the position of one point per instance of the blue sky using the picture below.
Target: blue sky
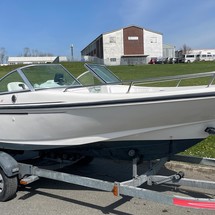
(51, 26)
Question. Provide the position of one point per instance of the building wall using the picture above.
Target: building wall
(133, 41)
(99, 48)
(168, 51)
(90, 50)
(113, 47)
(153, 44)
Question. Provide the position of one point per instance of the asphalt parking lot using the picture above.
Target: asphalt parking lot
(49, 197)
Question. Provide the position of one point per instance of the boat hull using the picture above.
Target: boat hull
(161, 126)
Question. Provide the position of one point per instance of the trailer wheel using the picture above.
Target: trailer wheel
(8, 186)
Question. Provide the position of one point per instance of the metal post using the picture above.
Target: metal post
(72, 52)
(134, 167)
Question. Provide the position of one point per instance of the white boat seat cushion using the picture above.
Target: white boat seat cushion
(16, 86)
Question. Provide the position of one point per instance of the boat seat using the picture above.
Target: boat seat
(16, 86)
(59, 78)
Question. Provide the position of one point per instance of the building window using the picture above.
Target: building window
(133, 38)
(153, 39)
(112, 39)
(112, 59)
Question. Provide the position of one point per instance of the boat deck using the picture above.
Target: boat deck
(123, 89)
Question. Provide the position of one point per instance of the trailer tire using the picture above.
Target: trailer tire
(8, 186)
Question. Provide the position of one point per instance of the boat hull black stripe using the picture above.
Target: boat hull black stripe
(13, 114)
(102, 103)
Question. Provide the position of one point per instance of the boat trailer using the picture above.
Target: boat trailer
(26, 173)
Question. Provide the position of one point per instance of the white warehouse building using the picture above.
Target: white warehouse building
(127, 46)
(36, 60)
(32, 60)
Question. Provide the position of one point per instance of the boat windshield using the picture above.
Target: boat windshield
(103, 73)
(42, 76)
(49, 76)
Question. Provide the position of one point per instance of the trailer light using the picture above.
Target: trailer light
(115, 189)
(23, 182)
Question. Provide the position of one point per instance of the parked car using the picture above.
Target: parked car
(153, 60)
(173, 60)
(160, 61)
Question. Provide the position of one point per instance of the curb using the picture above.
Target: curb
(191, 167)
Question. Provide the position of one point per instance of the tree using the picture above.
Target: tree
(185, 49)
(27, 52)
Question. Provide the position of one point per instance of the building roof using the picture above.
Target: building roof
(168, 45)
(135, 27)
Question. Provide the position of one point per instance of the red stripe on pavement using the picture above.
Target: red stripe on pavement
(194, 203)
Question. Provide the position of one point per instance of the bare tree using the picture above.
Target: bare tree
(27, 52)
(34, 53)
(185, 49)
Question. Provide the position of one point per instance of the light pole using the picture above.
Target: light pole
(72, 52)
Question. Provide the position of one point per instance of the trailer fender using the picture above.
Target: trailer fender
(8, 164)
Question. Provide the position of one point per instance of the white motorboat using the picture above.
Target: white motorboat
(45, 108)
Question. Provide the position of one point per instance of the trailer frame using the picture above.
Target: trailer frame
(28, 173)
